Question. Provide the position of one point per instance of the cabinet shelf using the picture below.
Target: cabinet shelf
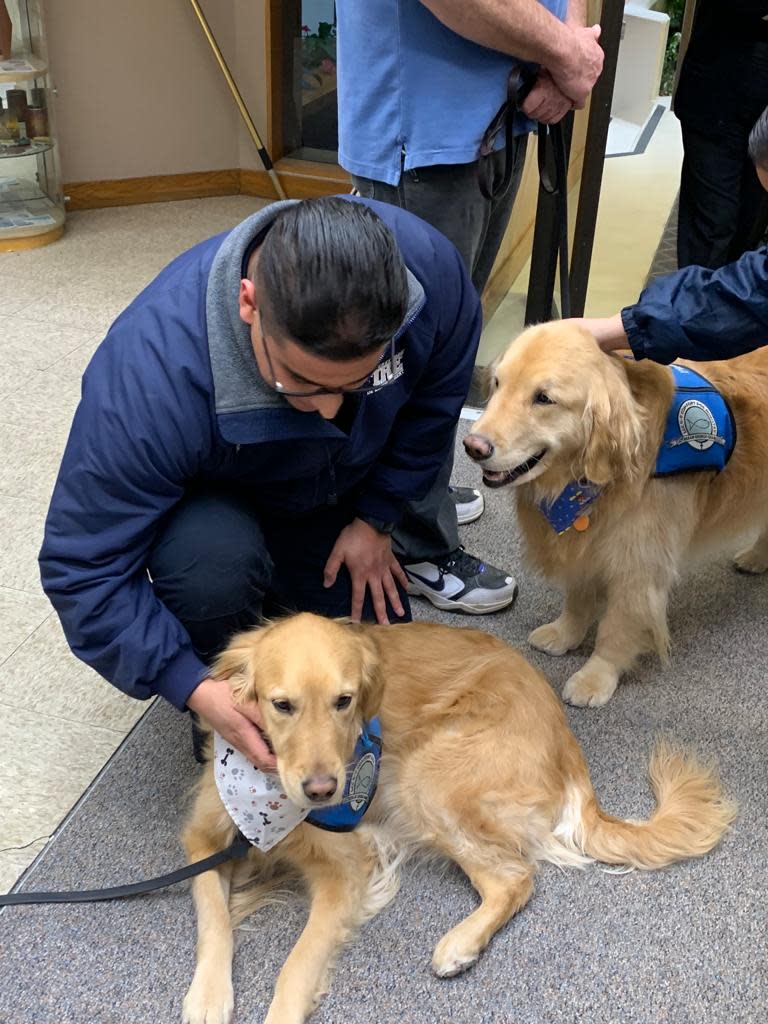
(32, 211)
(22, 69)
(31, 150)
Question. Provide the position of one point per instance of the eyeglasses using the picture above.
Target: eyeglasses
(382, 376)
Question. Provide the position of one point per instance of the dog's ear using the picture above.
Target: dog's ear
(614, 429)
(238, 662)
(372, 679)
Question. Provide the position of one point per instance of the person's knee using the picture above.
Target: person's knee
(210, 561)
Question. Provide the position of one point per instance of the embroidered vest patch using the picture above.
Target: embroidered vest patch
(700, 432)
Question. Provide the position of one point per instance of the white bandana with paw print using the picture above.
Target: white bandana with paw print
(253, 798)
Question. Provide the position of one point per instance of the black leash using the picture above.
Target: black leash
(551, 137)
(236, 850)
(519, 84)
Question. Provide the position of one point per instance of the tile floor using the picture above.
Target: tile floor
(59, 722)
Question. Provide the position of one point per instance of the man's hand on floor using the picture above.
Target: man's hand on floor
(368, 556)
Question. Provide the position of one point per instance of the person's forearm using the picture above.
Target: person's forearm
(608, 331)
(577, 13)
(523, 28)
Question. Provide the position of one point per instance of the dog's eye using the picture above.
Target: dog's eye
(495, 382)
(343, 702)
(542, 398)
(283, 706)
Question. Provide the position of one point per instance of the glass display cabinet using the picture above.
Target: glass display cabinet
(31, 200)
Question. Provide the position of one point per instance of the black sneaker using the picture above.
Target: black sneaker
(470, 503)
(462, 583)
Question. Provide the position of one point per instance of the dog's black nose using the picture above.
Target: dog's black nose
(478, 447)
(319, 787)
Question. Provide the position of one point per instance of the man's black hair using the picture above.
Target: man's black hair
(331, 278)
(758, 141)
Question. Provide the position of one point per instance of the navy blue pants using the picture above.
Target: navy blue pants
(219, 564)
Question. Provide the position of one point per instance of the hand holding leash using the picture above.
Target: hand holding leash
(581, 66)
(545, 102)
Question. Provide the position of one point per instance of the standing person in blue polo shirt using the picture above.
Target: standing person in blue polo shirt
(419, 83)
(247, 436)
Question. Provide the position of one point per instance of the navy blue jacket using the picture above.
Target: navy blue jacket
(702, 314)
(173, 395)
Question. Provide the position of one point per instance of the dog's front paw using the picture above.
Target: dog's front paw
(453, 955)
(753, 560)
(553, 638)
(210, 1000)
(592, 686)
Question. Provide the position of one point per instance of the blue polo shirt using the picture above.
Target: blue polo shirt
(413, 93)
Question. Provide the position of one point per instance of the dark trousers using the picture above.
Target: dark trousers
(723, 207)
(723, 90)
(448, 197)
(220, 565)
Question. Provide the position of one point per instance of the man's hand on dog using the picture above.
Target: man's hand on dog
(368, 556)
(239, 724)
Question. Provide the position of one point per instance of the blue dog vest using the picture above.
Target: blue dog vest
(700, 432)
(360, 788)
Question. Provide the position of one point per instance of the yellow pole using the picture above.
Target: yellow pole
(263, 154)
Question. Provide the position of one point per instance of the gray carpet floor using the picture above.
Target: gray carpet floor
(685, 945)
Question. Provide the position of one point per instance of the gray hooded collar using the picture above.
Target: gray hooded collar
(238, 385)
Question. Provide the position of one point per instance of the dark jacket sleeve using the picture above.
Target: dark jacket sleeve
(423, 433)
(130, 451)
(702, 314)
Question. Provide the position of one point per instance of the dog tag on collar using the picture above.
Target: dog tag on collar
(570, 507)
(360, 788)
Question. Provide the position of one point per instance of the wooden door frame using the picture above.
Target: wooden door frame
(301, 178)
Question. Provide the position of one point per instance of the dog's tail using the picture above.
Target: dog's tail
(691, 816)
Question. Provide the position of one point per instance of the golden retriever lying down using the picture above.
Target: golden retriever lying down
(561, 410)
(479, 765)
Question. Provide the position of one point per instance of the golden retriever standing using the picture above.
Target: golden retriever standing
(479, 765)
(561, 410)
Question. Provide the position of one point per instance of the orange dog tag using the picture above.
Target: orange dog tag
(581, 524)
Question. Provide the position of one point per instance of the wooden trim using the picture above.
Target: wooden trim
(161, 188)
(301, 179)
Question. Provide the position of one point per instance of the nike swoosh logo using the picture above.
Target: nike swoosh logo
(438, 584)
